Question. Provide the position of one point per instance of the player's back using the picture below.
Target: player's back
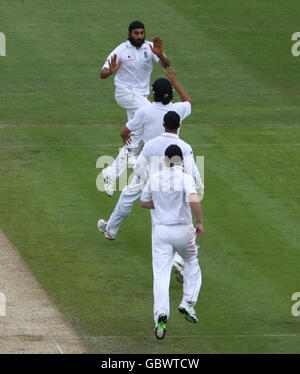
(169, 189)
(152, 155)
(158, 145)
(149, 119)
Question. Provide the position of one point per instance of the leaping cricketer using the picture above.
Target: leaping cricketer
(132, 63)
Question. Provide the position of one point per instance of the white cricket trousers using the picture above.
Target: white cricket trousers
(131, 101)
(165, 240)
(128, 196)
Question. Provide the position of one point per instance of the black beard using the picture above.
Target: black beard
(136, 43)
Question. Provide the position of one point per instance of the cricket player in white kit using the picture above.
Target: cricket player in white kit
(151, 160)
(132, 61)
(171, 195)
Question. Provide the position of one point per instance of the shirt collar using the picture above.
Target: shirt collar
(144, 45)
(160, 104)
(169, 135)
(129, 45)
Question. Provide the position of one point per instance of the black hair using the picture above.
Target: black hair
(173, 155)
(172, 120)
(136, 25)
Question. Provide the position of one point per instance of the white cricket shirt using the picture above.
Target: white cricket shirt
(169, 191)
(149, 118)
(151, 159)
(136, 68)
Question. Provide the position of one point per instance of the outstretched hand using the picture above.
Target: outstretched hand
(114, 65)
(171, 74)
(157, 47)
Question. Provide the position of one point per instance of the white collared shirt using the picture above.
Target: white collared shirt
(136, 67)
(149, 118)
(169, 190)
(152, 155)
(151, 159)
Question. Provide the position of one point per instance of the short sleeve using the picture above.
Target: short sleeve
(184, 109)
(189, 185)
(155, 58)
(117, 51)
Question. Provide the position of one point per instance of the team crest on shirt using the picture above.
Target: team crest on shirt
(146, 57)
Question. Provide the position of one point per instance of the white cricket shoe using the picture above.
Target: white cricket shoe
(102, 227)
(178, 271)
(161, 328)
(188, 311)
(109, 184)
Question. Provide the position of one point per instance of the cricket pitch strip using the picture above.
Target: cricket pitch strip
(29, 321)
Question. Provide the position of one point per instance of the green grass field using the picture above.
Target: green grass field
(234, 58)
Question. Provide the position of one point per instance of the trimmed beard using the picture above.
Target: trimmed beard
(135, 43)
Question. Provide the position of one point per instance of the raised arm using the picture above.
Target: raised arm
(157, 49)
(171, 74)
